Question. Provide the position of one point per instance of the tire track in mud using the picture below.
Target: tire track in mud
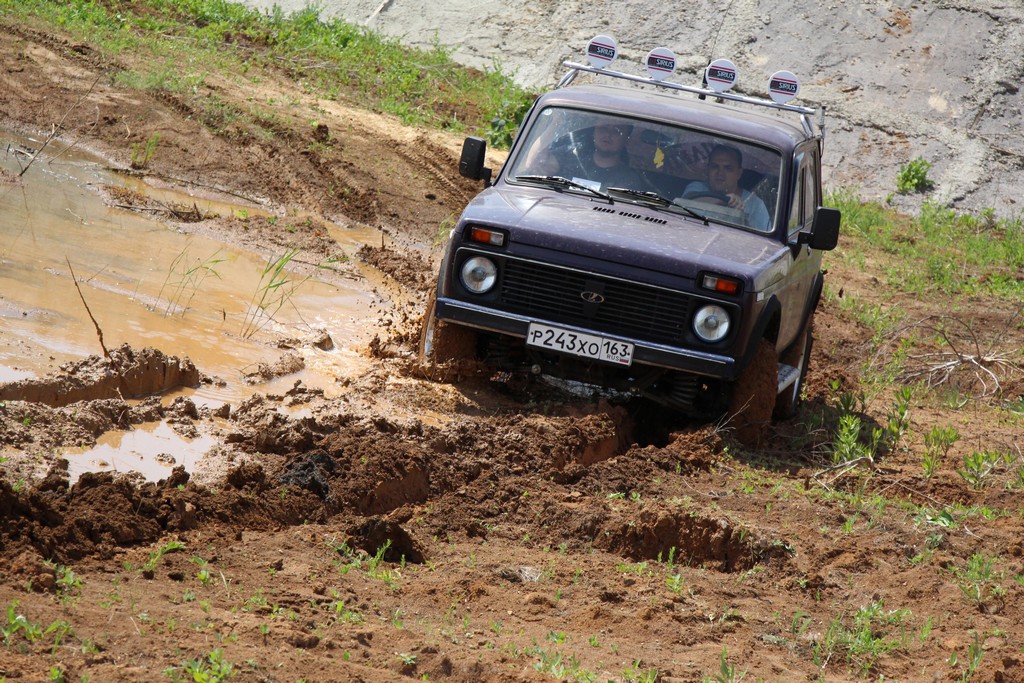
(78, 52)
(454, 195)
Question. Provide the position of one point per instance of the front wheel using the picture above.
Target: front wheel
(442, 342)
(753, 396)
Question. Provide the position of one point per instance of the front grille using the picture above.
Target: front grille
(629, 308)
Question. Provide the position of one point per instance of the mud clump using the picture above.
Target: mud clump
(125, 373)
(95, 517)
(287, 364)
(248, 475)
(311, 471)
(258, 426)
(388, 539)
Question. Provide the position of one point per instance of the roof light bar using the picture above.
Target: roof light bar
(718, 77)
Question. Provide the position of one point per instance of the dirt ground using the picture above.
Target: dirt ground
(484, 531)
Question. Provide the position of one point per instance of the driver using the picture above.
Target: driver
(608, 163)
(605, 161)
(724, 168)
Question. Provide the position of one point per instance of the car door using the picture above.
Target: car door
(806, 262)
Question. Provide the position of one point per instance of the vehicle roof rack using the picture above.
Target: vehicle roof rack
(718, 76)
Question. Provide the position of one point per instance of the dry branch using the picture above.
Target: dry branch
(99, 332)
(968, 356)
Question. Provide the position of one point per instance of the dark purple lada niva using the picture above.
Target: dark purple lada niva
(664, 241)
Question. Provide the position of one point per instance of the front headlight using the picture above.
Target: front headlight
(711, 323)
(479, 274)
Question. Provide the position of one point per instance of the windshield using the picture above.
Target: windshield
(694, 170)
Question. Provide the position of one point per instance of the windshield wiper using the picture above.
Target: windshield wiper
(559, 181)
(659, 200)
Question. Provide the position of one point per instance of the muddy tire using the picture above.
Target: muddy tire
(441, 343)
(753, 396)
(787, 403)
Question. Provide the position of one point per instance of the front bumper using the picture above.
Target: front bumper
(644, 352)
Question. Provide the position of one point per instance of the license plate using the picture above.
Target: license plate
(579, 344)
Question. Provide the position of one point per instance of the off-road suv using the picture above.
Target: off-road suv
(657, 238)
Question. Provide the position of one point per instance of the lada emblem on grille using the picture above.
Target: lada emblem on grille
(591, 297)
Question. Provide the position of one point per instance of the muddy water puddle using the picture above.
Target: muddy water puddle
(153, 451)
(143, 283)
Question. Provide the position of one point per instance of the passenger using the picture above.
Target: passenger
(724, 168)
(605, 161)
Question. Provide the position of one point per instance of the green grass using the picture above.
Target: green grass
(978, 466)
(940, 251)
(966, 260)
(981, 582)
(156, 555)
(178, 45)
(937, 444)
(726, 672)
(212, 668)
(865, 636)
(69, 585)
(19, 632)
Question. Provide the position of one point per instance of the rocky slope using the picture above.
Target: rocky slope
(940, 80)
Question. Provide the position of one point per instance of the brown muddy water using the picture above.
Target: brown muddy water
(146, 285)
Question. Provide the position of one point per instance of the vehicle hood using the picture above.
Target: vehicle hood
(628, 233)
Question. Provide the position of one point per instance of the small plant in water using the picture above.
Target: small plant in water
(274, 291)
(142, 154)
(184, 277)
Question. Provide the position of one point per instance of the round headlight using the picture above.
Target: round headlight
(711, 323)
(479, 274)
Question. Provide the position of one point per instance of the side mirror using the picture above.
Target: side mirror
(824, 234)
(471, 163)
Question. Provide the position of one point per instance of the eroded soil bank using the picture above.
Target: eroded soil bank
(402, 527)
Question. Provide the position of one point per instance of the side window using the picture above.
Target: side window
(796, 210)
(805, 199)
(810, 188)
